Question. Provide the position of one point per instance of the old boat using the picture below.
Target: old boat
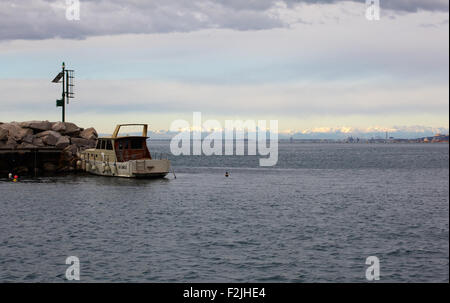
(123, 156)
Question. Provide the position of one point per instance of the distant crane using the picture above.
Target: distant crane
(66, 76)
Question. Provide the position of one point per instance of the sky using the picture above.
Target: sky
(311, 65)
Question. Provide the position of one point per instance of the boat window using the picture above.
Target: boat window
(136, 144)
(103, 144)
(98, 144)
(109, 145)
(123, 144)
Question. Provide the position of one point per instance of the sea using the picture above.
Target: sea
(316, 216)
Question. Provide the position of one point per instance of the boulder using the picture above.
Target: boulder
(25, 145)
(37, 125)
(48, 132)
(49, 137)
(3, 134)
(50, 140)
(71, 150)
(80, 142)
(28, 139)
(10, 144)
(62, 142)
(59, 127)
(72, 129)
(66, 128)
(38, 142)
(89, 134)
(15, 131)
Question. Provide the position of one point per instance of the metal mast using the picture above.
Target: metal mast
(66, 77)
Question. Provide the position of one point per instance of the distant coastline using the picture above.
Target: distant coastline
(437, 138)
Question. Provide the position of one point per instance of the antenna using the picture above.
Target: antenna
(67, 76)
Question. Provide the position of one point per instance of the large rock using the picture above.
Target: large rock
(71, 150)
(80, 142)
(66, 128)
(10, 144)
(63, 142)
(38, 142)
(16, 132)
(89, 134)
(3, 134)
(37, 125)
(28, 139)
(59, 127)
(48, 132)
(72, 129)
(49, 137)
(38, 134)
(50, 140)
(25, 145)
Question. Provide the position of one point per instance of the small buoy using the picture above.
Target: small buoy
(14, 180)
(226, 174)
(16, 177)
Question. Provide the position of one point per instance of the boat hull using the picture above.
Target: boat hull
(145, 168)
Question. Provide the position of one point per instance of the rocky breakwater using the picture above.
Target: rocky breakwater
(61, 139)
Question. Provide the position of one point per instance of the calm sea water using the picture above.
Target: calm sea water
(315, 217)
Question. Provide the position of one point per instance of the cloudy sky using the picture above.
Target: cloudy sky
(308, 64)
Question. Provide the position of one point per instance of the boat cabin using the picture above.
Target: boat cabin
(124, 148)
(131, 148)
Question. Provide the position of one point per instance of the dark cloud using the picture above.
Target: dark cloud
(397, 5)
(41, 19)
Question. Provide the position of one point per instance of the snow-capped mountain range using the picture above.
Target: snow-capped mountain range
(399, 132)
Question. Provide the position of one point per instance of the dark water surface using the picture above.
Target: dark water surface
(315, 217)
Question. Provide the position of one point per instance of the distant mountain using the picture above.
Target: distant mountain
(404, 132)
(399, 132)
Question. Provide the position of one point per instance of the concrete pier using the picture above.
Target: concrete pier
(32, 161)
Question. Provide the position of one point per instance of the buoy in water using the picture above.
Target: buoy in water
(226, 174)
